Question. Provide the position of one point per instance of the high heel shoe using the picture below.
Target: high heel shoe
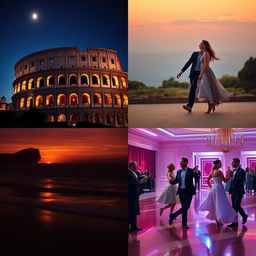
(213, 108)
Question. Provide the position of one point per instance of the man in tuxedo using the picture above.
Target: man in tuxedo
(134, 185)
(186, 190)
(237, 190)
(197, 178)
(194, 74)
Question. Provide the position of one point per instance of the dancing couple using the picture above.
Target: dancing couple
(216, 202)
(204, 85)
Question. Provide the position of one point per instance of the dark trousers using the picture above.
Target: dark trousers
(197, 184)
(236, 204)
(192, 93)
(185, 200)
(132, 221)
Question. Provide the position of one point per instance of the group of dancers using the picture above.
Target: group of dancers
(216, 202)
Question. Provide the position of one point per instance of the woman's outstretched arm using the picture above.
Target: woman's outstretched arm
(224, 179)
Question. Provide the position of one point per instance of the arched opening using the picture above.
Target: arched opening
(50, 81)
(18, 87)
(117, 100)
(50, 118)
(31, 84)
(109, 119)
(49, 100)
(24, 85)
(95, 79)
(119, 119)
(105, 80)
(72, 79)
(40, 82)
(61, 100)
(29, 102)
(39, 101)
(22, 103)
(98, 118)
(62, 118)
(108, 99)
(114, 81)
(73, 99)
(84, 79)
(62, 80)
(73, 119)
(125, 100)
(86, 118)
(123, 80)
(15, 89)
(97, 99)
(86, 99)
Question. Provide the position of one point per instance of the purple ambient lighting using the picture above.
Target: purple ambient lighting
(148, 132)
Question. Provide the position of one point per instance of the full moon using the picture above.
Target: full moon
(34, 16)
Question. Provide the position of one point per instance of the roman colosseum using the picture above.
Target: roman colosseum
(71, 85)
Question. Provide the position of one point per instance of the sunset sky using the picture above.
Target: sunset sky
(67, 145)
(164, 33)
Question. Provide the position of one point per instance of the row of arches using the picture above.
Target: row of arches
(99, 118)
(73, 79)
(73, 99)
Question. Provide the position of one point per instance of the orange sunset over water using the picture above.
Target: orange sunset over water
(67, 145)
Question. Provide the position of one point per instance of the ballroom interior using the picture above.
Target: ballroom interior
(153, 149)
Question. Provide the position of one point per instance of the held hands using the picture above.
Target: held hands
(200, 77)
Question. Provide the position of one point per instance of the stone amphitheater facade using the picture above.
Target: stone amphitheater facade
(72, 85)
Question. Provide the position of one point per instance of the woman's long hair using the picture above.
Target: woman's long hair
(215, 163)
(209, 49)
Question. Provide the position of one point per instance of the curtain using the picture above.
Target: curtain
(145, 159)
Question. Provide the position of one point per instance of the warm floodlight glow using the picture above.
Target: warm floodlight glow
(34, 16)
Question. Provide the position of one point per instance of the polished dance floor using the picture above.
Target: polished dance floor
(203, 238)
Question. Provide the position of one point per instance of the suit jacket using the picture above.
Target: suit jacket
(237, 182)
(133, 195)
(192, 60)
(133, 186)
(190, 175)
(139, 174)
(197, 178)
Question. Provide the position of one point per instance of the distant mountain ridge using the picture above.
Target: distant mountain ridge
(25, 156)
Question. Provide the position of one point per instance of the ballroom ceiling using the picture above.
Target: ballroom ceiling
(167, 134)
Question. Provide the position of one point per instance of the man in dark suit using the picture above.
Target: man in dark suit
(133, 196)
(140, 177)
(197, 178)
(186, 190)
(237, 190)
(194, 74)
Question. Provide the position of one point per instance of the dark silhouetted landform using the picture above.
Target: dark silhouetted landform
(25, 156)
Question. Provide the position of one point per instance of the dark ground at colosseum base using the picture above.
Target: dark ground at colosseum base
(231, 114)
(11, 120)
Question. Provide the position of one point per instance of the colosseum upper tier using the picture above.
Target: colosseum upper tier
(71, 85)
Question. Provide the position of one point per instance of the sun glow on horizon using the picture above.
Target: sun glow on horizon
(65, 146)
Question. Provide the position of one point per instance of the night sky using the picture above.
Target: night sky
(67, 146)
(97, 23)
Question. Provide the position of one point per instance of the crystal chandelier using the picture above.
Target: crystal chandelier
(225, 140)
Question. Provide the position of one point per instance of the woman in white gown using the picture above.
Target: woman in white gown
(209, 87)
(216, 202)
(169, 195)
